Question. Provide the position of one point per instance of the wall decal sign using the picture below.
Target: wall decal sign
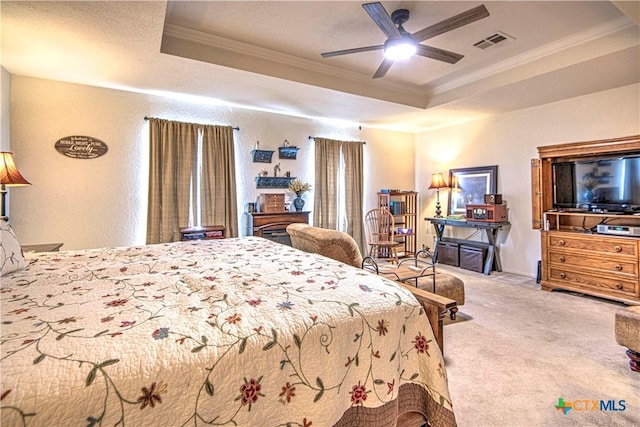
(81, 147)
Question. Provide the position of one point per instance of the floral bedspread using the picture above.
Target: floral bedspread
(220, 332)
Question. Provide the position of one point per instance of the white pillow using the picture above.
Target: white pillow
(11, 257)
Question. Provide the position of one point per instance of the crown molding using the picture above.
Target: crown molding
(257, 52)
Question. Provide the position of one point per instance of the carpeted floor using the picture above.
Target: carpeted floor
(517, 350)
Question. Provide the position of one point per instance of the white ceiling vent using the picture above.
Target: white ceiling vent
(497, 39)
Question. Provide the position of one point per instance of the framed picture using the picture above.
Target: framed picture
(469, 185)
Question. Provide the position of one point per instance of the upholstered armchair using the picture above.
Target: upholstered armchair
(627, 331)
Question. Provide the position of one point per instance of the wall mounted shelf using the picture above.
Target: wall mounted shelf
(288, 152)
(273, 181)
(262, 156)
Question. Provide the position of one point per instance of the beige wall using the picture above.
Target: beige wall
(103, 201)
(5, 111)
(510, 141)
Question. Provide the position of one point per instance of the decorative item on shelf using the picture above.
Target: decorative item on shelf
(271, 202)
(438, 182)
(457, 217)
(299, 188)
(493, 199)
(287, 152)
(487, 213)
(9, 177)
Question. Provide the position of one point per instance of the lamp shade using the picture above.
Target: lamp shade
(437, 181)
(9, 174)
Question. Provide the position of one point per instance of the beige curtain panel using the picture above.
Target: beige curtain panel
(172, 157)
(173, 171)
(219, 205)
(339, 165)
(354, 185)
(325, 202)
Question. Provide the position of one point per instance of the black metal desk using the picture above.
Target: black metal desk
(491, 231)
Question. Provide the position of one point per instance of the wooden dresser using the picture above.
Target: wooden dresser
(576, 256)
(591, 264)
(273, 225)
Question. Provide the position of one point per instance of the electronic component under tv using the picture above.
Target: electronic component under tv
(603, 184)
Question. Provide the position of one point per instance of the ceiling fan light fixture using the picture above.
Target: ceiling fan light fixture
(400, 48)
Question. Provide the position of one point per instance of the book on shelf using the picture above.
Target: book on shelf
(398, 207)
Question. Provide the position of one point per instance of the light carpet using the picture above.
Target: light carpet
(520, 349)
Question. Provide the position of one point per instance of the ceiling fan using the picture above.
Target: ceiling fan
(400, 44)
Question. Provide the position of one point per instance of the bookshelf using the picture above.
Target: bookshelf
(404, 207)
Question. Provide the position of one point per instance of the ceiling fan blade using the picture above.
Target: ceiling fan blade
(348, 51)
(452, 23)
(383, 68)
(439, 54)
(378, 13)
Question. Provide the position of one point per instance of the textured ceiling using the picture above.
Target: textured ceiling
(266, 55)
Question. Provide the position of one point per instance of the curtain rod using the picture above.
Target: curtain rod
(147, 118)
(361, 142)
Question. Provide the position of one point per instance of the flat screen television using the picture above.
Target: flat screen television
(607, 184)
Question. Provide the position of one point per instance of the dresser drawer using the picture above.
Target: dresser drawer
(272, 198)
(603, 245)
(271, 208)
(271, 203)
(625, 267)
(593, 281)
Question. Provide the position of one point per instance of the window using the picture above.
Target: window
(191, 179)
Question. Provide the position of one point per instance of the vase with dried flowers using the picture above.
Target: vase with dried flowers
(299, 188)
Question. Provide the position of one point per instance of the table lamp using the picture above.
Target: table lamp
(9, 177)
(438, 182)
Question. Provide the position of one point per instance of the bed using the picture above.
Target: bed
(239, 331)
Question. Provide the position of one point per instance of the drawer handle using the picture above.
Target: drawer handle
(617, 249)
(561, 242)
(562, 259)
(618, 267)
(618, 286)
(563, 276)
